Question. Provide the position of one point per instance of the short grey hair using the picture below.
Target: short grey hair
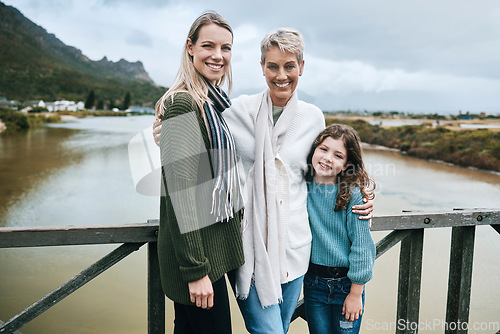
(287, 39)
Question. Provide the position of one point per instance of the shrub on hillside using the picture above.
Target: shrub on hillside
(14, 120)
(17, 121)
(470, 148)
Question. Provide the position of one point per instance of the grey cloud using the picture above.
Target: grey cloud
(140, 38)
(455, 41)
(143, 3)
(455, 37)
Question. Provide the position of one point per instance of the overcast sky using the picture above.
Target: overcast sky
(422, 56)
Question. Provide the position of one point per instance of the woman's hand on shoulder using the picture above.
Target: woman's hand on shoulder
(201, 293)
(364, 210)
(157, 131)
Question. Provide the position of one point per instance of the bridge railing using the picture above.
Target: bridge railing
(407, 228)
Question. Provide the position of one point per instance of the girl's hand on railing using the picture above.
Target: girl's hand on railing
(202, 293)
(157, 131)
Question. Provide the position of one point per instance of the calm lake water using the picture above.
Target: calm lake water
(77, 173)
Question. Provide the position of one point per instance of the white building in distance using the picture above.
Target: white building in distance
(64, 105)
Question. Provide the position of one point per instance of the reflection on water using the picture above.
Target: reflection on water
(61, 176)
(78, 174)
(26, 159)
(92, 182)
(479, 126)
(405, 183)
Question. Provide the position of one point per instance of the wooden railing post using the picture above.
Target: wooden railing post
(156, 298)
(382, 246)
(460, 279)
(16, 332)
(408, 228)
(390, 241)
(69, 287)
(410, 273)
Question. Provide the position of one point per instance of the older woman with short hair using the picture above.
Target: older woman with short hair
(273, 131)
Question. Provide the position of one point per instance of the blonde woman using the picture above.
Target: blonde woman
(199, 239)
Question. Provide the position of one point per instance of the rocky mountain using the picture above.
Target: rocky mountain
(35, 64)
(124, 68)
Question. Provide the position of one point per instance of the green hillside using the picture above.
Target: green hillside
(36, 65)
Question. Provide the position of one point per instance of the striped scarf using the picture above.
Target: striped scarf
(226, 196)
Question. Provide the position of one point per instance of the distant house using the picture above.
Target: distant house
(11, 104)
(35, 103)
(140, 110)
(64, 105)
(51, 106)
(26, 110)
(80, 105)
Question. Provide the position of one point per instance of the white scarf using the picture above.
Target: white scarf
(263, 241)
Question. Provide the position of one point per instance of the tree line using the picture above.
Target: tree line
(93, 101)
(479, 148)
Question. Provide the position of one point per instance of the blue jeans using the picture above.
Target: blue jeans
(274, 319)
(323, 301)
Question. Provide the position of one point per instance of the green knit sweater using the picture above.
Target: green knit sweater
(191, 244)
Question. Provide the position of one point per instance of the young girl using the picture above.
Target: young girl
(343, 251)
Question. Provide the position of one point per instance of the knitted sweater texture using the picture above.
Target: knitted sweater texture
(340, 239)
(190, 245)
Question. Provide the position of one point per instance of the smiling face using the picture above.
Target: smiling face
(282, 71)
(212, 51)
(328, 160)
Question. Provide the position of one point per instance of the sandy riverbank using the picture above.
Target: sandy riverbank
(65, 118)
(492, 124)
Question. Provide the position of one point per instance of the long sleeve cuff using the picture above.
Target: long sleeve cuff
(191, 274)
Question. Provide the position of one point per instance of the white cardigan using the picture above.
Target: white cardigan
(296, 134)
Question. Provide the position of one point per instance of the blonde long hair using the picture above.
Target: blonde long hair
(188, 79)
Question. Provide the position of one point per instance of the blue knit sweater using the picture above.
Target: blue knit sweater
(340, 239)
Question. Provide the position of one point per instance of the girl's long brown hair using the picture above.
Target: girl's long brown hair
(355, 174)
